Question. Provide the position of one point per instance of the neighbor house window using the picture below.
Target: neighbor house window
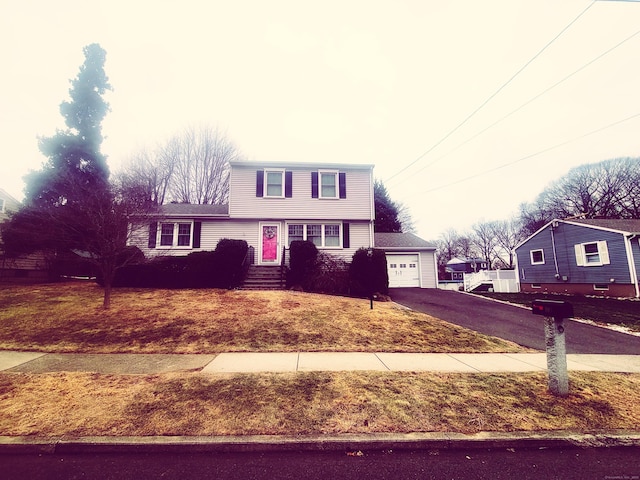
(321, 235)
(328, 184)
(537, 257)
(175, 234)
(274, 180)
(592, 254)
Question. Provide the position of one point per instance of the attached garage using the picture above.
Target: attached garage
(411, 261)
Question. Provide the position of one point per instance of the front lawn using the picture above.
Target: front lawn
(69, 318)
(623, 312)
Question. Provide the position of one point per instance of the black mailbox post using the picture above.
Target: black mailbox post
(555, 312)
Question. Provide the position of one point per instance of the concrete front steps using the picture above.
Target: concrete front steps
(264, 278)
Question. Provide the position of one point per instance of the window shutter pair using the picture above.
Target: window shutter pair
(342, 185)
(153, 232)
(603, 253)
(288, 184)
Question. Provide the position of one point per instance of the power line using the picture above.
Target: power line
(493, 95)
(532, 99)
(540, 152)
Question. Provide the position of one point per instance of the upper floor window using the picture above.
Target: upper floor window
(175, 235)
(274, 180)
(592, 254)
(328, 184)
(537, 257)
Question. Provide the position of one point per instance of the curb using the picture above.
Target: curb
(315, 443)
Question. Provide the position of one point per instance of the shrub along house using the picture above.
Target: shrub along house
(270, 206)
(581, 256)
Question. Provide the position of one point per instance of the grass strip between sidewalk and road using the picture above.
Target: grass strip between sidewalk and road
(187, 403)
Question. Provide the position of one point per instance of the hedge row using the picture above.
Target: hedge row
(221, 268)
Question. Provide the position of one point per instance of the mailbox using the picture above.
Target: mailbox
(552, 308)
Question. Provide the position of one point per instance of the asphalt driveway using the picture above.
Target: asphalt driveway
(512, 323)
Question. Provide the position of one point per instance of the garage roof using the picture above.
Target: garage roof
(401, 241)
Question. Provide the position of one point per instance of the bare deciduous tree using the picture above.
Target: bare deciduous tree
(508, 233)
(484, 241)
(192, 167)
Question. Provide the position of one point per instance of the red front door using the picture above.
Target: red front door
(269, 244)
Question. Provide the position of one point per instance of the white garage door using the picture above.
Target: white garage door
(403, 270)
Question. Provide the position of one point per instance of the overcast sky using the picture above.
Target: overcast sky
(397, 84)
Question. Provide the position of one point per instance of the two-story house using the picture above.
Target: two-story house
(273, 204)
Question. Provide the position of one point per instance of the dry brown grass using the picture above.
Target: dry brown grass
(69, 318)
(77, 404)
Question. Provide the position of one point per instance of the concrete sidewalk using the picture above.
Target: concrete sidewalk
(33, 362)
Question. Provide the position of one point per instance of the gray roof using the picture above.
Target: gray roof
(622, 225)
(193, 210)
(401, 240)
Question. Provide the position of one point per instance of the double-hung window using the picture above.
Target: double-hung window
(328, 184)
(176, 234)
(592, 254)
(274, 183)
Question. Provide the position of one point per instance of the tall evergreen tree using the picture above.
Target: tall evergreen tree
(75, 162)
(387, 213)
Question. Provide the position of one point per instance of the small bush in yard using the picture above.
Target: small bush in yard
(302, 263)
(230, 255)
(368, 273)
(330, 275)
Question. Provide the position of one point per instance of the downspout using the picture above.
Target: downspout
(632, 264)
(553, 244)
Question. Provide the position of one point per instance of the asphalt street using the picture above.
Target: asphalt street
(468, 464)
(512, 323)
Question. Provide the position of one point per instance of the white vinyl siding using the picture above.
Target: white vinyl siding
(243, 202)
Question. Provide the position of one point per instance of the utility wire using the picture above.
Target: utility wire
(493, 95)
(532, 99)
(508, 164)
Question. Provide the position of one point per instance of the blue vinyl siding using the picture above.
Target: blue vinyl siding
(566, 237)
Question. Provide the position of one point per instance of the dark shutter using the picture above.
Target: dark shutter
(346, 242)
(288, 184)
(260, 183)
(314, 184)
(197, 230)
(342, 180)
(153, 231)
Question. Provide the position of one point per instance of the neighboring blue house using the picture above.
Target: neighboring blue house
(581, 256)
(457, 267)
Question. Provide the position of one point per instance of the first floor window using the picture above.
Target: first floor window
(166, 235)
(184, 234)
(332, 235)
(175, 234)
(321, 235)
(314, 234)
(296, 233)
